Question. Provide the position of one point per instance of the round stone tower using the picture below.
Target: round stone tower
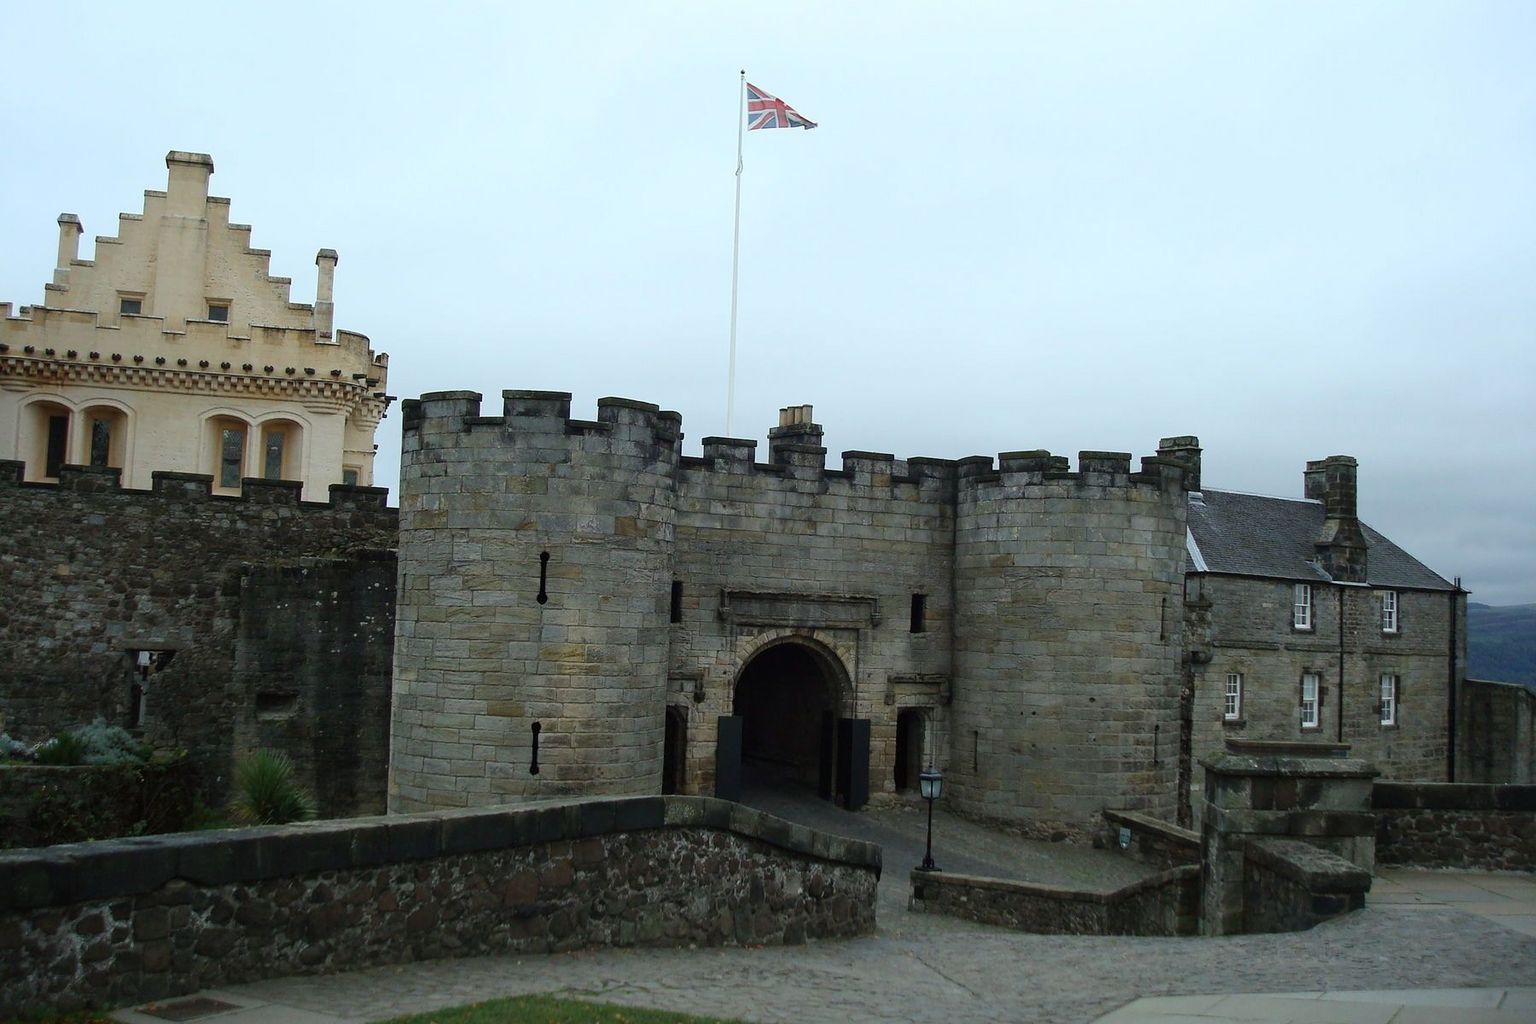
(1068, 638)
(535, 573)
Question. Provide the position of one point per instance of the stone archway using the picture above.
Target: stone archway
(789, 696)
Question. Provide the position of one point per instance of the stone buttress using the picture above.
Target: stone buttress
(535, 568)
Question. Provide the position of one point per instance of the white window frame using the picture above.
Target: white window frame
(1301, 606)
(1232, 698)
(1311, 700)
(1389, 621)
(1391, 687)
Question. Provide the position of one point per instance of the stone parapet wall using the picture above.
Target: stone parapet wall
(1290, 886)
(1263, 790)
(1151, 841)
(45, 804)
(1164, 904)
(127, 920)
(1445, 825)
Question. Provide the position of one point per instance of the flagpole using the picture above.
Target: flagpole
(730, 381)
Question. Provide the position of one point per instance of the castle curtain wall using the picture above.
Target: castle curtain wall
(93, 574)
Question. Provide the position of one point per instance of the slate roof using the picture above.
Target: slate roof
(1254, 535)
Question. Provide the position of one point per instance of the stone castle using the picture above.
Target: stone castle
(578, 608)
(642, 618)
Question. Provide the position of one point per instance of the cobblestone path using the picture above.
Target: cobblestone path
(921, 968)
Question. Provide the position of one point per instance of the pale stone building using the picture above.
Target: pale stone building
(174, 349)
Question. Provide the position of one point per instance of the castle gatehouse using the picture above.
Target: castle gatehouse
(584, 610)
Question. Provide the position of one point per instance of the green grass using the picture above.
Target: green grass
(548, 1010)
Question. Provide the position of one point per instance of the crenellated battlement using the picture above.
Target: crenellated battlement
(529, 418)
(183, 488)
(1033, 471)
(535, 418)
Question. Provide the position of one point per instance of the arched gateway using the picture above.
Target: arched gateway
(791, 723)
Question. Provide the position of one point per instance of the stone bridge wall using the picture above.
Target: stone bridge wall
(1164, 904)
(133, 919)
(1290, 886)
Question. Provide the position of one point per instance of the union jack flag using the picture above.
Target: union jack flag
(765, 111)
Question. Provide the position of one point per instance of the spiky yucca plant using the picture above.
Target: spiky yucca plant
(266, 792)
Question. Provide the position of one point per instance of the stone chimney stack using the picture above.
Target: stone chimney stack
(1341, 544)
(796, 441)
(70, 230)
(1186, 452)
(187, 189)
(325, 284)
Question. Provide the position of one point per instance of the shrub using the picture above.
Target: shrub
(97, 743)
(266, 792)
(13, 749)
(63, 749)
(111, 744)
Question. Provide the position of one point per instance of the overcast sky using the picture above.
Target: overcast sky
(1294, 229)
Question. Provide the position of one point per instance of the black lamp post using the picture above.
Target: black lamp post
(929, 782)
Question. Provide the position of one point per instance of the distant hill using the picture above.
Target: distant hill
(1501, 642)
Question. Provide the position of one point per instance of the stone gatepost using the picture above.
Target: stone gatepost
(1312, 792)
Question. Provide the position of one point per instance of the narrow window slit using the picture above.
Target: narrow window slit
(919, 610)
(543, 598)
(533, 766)
(676, 614)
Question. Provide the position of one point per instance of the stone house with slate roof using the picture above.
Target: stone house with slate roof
(1302, 622)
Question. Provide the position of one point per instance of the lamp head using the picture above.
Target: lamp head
(929, 782)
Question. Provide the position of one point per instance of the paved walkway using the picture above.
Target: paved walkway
(1431, 946)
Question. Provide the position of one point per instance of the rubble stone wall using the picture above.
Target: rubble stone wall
(1164, 904)
(267, 610)
(128, 920)
(1290, 886)
(1446, 825)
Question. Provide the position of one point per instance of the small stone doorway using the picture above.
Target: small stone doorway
(910, 725)
(674, 750)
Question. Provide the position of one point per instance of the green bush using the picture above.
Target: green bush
(266, 792)
(111, 744)
(104, 802)
(97, 743)
(63, 749)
